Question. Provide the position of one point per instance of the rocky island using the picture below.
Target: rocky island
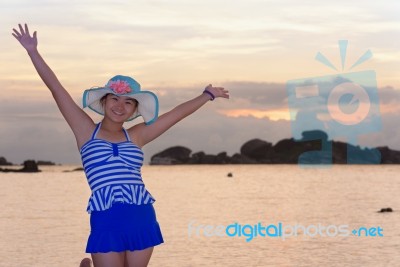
(4, 162)
(29, 166)
(313, 148)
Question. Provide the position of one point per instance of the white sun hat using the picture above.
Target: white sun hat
(124, 86)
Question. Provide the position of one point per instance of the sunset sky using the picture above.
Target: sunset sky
(175, 48)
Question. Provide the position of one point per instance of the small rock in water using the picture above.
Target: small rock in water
(30, 166)
(386, 210)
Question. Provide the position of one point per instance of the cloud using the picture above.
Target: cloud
(182, 43)
(259, 93)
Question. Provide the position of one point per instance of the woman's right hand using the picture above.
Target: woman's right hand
(23, 36)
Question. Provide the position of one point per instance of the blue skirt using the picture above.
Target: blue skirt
(123, 227)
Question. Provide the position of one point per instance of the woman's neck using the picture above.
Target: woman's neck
(110, 126)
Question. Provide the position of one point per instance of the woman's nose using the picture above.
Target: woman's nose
(120, 103)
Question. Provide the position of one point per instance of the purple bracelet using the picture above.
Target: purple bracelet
(210, 94)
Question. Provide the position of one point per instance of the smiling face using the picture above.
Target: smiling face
(119, 108)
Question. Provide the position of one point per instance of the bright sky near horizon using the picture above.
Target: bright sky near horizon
(177, 47)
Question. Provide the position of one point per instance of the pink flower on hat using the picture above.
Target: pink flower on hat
(119, 87)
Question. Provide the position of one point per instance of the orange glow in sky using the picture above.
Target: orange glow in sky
(274, 115)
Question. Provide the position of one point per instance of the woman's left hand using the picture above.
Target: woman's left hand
(217, 91)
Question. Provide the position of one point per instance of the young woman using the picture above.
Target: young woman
(124, 228)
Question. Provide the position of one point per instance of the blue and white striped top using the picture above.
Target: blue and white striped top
(113, 173)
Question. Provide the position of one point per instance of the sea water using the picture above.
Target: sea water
(264, 215)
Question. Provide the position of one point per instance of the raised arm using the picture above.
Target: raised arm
(80, 123)
(146, 133)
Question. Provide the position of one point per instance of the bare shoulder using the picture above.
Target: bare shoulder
(85, 133)
(135, 132)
